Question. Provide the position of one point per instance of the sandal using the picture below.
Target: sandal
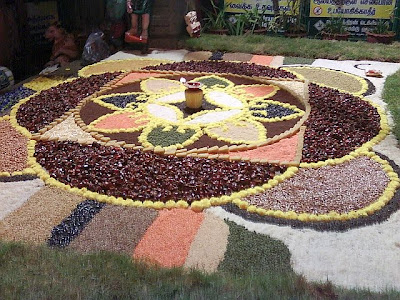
(129, 38)
(143, 40)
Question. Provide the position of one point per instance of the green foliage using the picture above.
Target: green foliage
(31, 272)
(291, 60)
(304, 47)
(254, 19)
(382, 27)
(391, 95)
(335, 25)
(216, 18)
(291, 21)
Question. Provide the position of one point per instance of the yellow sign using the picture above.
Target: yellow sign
(240, 6)
(371, 9)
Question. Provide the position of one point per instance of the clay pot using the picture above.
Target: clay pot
(260, 31)
(193, 95)
(335, 36)
(218, 31)
(298, 34)
(385, 38)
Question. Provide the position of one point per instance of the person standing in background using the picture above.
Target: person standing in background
(143, 9)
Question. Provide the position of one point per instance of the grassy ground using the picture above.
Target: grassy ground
(391, 95)
(304, 47)
(31, 272)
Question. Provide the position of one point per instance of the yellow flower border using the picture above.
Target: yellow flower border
(92, 126)
(42, 83)
(99, 100)
(239, 90)
(178, 87)
(195, 205)
(181, 128)
(205, 152)
(26, 171)
(262, 132)
(299, 112)
(85, 72)
(362, 81)
(229, 83)
(35, 169)
(387, 195)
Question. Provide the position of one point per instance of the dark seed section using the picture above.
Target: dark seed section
(64, 233)
(146, 176)
(123, 100)
(272, 111)
(338, 124)
(217, 55)
(50, 104)
(10, 98)
(212, 66)
(17, 178)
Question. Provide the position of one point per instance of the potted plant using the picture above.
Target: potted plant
(290, 22)
(254, 21)
(216, 20)
(381, 33)
(335, 29)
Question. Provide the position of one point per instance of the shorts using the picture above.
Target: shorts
(139, 7)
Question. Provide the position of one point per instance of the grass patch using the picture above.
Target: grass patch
(31, 272)
(300, 47)
(391, 95)
(292, 60)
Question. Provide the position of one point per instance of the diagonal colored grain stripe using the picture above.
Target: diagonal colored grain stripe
(168, 239)
(262, 60)
(71, 226)
(209, 246)
(115, 228)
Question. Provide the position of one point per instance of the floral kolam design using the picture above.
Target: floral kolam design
(265, 143)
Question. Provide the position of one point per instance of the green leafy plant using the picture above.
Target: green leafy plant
(291, 20)
(385, 26)
(382, 27)
(254, 19)
(248, 22)
(216, 18)
(335, 25)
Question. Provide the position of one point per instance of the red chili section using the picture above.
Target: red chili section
(248, 69)
(51, 104)
(338, 124)
(146, 176)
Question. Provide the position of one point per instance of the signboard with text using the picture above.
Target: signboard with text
(240, 6)
(368, 9)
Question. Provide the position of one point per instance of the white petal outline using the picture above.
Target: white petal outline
(224, 100)
(171, 98)
(164, 112)
(214, 116)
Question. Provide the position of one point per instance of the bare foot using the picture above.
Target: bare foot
(144, 35)
(132, 31)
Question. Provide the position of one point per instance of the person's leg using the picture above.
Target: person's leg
(134, 24)
(145, 26)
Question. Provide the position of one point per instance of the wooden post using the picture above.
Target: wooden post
(167, 24)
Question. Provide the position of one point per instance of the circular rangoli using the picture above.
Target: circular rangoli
(266, 143)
